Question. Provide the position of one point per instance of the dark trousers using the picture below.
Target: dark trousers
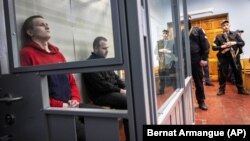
(197, 77)
(230, 76)
(224, 62)
(162, 77)
(206, 72)
(114, 100)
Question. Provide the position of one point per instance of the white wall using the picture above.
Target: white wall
(238, 15)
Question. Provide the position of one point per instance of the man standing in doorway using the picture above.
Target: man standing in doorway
(199, 55)
(229, 44)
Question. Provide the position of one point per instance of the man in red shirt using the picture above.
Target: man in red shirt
(38, 50)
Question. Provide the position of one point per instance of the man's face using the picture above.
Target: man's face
(102, 50)
(164, 35)
(225, 27)
(40, 29)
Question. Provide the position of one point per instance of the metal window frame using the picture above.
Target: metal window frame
(178, 39)
(188, 79)
(171, 101)
(4, 62)
(187, 43)
(132, 55)
(120, 62)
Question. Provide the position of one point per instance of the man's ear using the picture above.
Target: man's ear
(29, 32)
(96, 48)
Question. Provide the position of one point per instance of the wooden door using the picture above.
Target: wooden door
(212, 26)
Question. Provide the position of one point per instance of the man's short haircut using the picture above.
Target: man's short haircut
(165, 31)
(27, 25)
(224, 22)
(97, 40)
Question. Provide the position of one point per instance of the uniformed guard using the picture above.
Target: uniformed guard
(229, 44)
(199, 54)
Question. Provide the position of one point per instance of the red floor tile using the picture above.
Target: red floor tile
(230, 108)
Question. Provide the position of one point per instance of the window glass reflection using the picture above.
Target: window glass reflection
(165, 50)
(73, 25)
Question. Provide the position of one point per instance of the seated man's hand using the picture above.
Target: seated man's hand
(65, 105)
(73, 103)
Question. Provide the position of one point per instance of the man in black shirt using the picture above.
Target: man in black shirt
(199, 55)
(229, 44)
(105, 88)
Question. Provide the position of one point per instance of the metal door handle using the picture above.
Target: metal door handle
(8, 98)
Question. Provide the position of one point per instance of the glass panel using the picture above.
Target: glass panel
(164, 49)
(89, 26)
(72, 27)
(88, 88)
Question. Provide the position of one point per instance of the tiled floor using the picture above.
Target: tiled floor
(230, 108)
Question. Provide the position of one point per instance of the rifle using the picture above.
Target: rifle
(232, 51)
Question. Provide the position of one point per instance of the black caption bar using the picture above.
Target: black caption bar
(204, 132)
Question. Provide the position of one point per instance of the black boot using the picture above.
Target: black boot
(243, 92)
(203, 106)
